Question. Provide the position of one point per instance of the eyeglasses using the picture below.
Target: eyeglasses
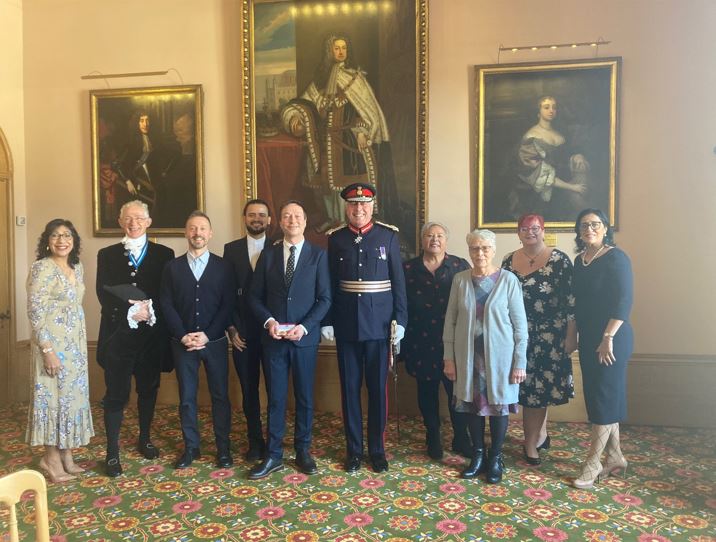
(434, 236)
(64, 236)
(531, 229)
(584, 226)
(130, 219)
(481, 249)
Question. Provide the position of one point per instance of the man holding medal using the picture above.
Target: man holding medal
(133, 340)
(290, 294)
(368, 293)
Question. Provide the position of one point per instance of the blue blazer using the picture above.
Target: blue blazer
(305, 302)
(190, 305)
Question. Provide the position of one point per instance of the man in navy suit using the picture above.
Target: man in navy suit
(197, 297)
(368, 293)
(290, 294)
(133, 339)
(244, 330)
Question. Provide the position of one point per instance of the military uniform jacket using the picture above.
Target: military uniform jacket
(371, 256)
(113, 268)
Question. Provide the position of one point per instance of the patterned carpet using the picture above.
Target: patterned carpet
(669, 492)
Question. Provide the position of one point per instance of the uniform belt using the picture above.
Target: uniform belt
(365, 286)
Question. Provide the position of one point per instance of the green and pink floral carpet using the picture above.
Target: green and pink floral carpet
(669, 492)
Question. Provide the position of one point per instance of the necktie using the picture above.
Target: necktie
(290, 265)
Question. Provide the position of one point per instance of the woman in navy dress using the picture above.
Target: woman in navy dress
(603, 291)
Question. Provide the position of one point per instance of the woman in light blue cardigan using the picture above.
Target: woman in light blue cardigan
(485, 344)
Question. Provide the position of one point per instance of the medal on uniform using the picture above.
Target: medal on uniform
(358, 239)
(383, 255)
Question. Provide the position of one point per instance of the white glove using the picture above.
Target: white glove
(327, 333)
(399, 334)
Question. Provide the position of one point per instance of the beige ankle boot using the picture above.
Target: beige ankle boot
(592, 467)
(615, 459)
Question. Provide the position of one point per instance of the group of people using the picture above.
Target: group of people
(498, 337)
(494, 337)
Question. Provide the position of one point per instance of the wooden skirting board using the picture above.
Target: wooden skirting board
(664, 389)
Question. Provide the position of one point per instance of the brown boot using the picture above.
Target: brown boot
(592, 467)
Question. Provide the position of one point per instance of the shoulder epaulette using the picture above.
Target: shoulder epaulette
(389, 226)
(334, 230)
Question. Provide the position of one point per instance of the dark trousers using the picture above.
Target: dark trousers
(284, 358)
(248, 364)
(429, 404)
(356, 358)
(130, 353)
(216, 365)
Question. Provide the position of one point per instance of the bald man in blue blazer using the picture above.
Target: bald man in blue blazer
(290, 294)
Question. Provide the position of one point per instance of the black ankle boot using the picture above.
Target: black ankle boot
(435, 445)
(478, 464)
(495, 467)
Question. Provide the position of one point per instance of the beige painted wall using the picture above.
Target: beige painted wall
(12, 125)
(667, 133)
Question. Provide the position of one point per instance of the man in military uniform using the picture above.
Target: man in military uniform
(368, 293)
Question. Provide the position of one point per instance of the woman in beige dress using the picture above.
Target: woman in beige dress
(59, 417)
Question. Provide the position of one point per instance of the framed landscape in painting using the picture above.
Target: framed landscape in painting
(336, 93)
(546, 141)
(147, 146)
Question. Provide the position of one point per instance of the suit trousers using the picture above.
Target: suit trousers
(356, 358)
(216, 365)
(283, 357)
(248, 365)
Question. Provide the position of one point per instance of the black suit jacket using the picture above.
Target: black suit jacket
(242, 318)
(191, 306)
(113, 269)
(305, 302)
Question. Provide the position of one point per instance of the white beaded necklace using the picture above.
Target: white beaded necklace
(584, 254)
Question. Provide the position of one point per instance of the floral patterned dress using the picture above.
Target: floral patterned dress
(59, 414)
(549, 303)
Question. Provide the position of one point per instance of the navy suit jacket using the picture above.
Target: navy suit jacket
(237, 253)
(305, 302)
(191, 306)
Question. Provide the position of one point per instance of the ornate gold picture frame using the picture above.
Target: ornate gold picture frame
(335, 93)
(147, 145)
(546, 141)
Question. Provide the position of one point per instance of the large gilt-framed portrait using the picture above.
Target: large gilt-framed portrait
(546, 141)
(147, 146)
(336, 93)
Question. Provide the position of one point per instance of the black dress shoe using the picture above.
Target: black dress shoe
(112, 467)
(224, 460)
(147, 449)
(305, 463)
(256, 451)
(186, 459)
(495, 468)
(352, 463)
(379, 463)
(531, 460)
(266, 467)
(478, 465)
(546, 443)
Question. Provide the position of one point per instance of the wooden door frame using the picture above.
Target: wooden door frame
(6, 178)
